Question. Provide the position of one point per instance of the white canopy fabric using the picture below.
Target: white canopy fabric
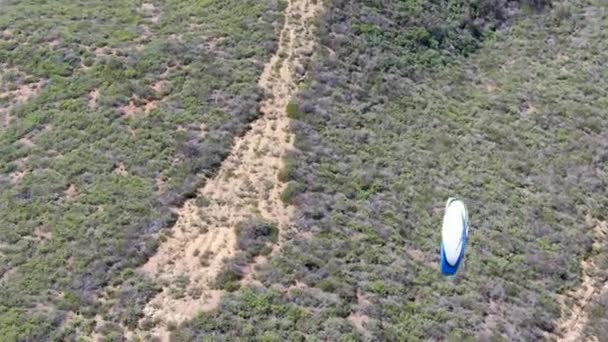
(453, 231)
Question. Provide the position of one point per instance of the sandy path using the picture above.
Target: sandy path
(246, 186)
(570, 327)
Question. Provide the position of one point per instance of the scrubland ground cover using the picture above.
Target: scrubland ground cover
(112, 113)
(408, 103)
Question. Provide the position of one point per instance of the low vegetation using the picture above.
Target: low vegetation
(408, 103)
(229, 277)
(598, 317)
(114, 112)
(256, 237)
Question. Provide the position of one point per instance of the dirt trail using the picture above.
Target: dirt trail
(571, 327)
(246, 186)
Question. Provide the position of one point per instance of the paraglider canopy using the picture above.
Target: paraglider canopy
(454, 236)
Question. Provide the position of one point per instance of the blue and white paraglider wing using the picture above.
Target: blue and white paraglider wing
(454, 236)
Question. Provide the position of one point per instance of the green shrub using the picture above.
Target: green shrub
(287, 172)
(293, 111)
(256, 237)
(291, 191)
(228, 278)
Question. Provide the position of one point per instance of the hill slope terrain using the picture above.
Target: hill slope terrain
(277, 170)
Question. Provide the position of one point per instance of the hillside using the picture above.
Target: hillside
(113, 112)
(277, 170)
